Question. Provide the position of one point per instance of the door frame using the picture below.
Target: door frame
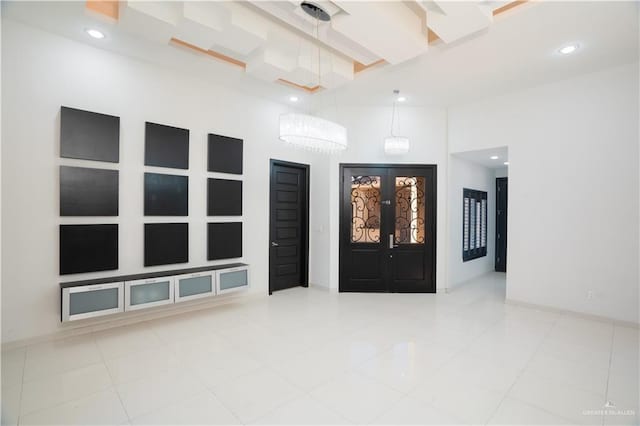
(306, 168)
(387, 165)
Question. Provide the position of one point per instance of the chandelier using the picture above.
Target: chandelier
(312, 133)
(307, 131)
(395, 145)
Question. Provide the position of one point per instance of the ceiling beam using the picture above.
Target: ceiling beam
(107, 8)
(212, 53)
(307, 89)
(508, 7)
(433, 37)
(359, 67)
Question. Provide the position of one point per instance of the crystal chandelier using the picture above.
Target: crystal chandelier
(308, 131)
(313, 133)
(395, 145)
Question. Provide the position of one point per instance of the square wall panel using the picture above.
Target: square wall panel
(166, 243)
(224, 197)
(88, 248)
(166, 195)
(224, 240)
(225, 154)
(88, 192)
(166, 146)
(89, 135)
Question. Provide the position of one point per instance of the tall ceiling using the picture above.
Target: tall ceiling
(436, 52)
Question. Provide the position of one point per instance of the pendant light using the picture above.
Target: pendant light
(308, 131)
(393, 144)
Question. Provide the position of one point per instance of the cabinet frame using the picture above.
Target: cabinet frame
(176, 286)
(127, 293)
(234, 289)
(66, 301)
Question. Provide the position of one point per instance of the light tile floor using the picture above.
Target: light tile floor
(306, 356)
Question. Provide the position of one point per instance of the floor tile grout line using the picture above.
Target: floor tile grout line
(279, 405)
(59, 404)
(113, 384)
(246, 373)
(521, 373)
(172, 403)
(468, 343)
(606, 393)
(233, 413)
(405, 394)
(87, 336)
(565, 384)
(24, 367)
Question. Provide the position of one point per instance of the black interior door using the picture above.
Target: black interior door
(501, 224)
(288, 228)
(387, 228)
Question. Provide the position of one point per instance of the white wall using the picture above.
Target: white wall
(573, 188)
(319, 231)
(41, 72)
(502, 172)
(573, 147)
(465, 174)
(367, 127)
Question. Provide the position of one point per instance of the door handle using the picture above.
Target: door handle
(392, 242)
(274, 244)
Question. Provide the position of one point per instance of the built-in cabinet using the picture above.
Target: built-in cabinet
(232, 279)
(147, 293)
(194, 286)
(92, 301)
(94, 298)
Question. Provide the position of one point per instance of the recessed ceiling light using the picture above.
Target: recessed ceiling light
(494, 157)
(570, 48)
(401, 98)
(506, 163)
(293, 98)
(95, 33)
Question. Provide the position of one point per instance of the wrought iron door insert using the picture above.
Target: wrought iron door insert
(387, 228)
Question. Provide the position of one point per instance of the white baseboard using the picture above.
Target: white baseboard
(583, 315)
(81, 327)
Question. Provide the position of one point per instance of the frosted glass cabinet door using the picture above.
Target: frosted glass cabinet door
(232, 279)
(194, 286)
(92, 301)
(141, 294)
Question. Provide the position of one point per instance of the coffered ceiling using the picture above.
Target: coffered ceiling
(277, 41)
(273, 48)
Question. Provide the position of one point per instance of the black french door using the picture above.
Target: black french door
(388, 228)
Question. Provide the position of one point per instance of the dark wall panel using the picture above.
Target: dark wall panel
(225, 154)
(89, 135)
(166, 243)
(88, 192)
(88, 248)
(224, 197)
(224, 240)
(166, 195)
(166, 146)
